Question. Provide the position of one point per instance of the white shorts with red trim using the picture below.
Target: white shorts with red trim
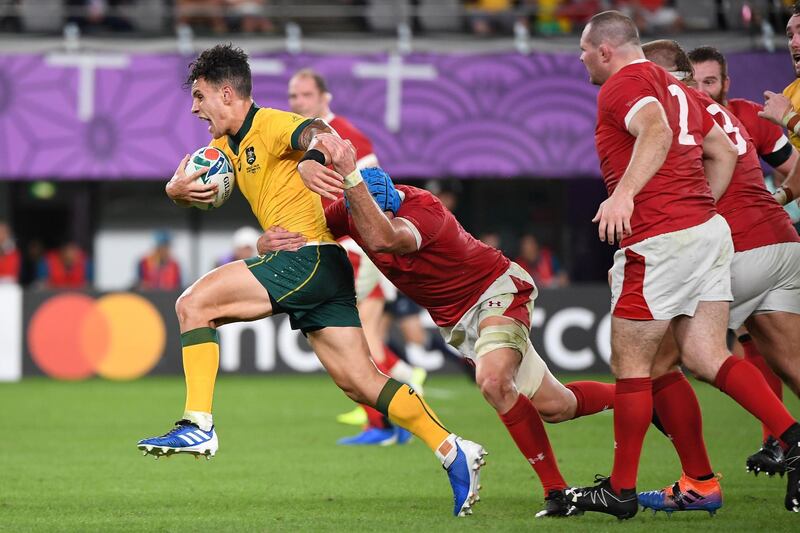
(667, 275)
(765, 280)
(511, 295)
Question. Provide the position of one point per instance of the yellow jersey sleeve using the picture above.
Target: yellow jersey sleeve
(792, 92)
(283, 130)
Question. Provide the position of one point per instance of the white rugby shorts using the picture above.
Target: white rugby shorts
(511, 295)
(764, 280)
(666, 275)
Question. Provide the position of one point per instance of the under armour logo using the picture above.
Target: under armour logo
(493, 303)
(536, 459)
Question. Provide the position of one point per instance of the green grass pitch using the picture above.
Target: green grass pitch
(68, 462)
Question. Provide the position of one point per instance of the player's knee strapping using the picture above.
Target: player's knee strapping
(514, 335)
(510, 335)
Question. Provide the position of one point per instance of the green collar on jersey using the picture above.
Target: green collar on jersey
(235, 140)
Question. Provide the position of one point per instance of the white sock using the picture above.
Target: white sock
(203, 420)
(451, 451)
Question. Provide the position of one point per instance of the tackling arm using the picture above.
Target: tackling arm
(305, 140)
(315, 175)
(790, 187)
(379, 233)
(779, 109)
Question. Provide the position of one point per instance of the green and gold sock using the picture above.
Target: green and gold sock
(200, 365)
(407, 409)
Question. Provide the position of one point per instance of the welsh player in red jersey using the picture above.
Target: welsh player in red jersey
(664, 161)
(309, 96)
(766, 247)
(481, 301)
(774, 148)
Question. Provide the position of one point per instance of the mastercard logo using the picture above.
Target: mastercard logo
(119, 336)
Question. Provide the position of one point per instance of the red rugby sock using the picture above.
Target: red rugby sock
(754, 357)
(744, 383)
(375, 419)
(592, 396)
(527, 429)
(676, 405)
(633, 410)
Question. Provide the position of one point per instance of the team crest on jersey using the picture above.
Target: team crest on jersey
(250, 152)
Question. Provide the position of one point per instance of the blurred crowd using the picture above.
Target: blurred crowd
(69, 266)
(481, 17)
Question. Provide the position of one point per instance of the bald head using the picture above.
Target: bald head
(670, 56)
(612, 28)
(609, 43)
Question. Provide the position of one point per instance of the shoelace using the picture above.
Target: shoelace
(179, 425)
(682, 499)
(599, 478)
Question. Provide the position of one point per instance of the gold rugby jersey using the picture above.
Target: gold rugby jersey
(264, 154)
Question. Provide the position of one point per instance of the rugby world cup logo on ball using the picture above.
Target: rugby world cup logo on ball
(220, 171)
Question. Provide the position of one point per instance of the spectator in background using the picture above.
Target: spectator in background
(32, 255)
(248, 16)
(446, 191)
(652, 16)
(496, 16)
(562, 16)
(65, 268)
(9, 15)
(9, 256)
(201, 14)
(244, 242)
(540, 263)
(98, 14)
(491, 238)
(158, 270)
(309, 96)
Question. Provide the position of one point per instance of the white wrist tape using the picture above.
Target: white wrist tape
(781, 196)
(353, 179)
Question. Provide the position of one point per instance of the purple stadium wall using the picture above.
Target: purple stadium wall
(117, 116)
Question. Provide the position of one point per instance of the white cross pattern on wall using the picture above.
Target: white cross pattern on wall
(267, 67)
(394, 72)
(87, 64)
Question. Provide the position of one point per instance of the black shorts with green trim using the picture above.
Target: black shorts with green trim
(313, 285)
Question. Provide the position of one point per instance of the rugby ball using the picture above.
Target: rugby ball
(220, 171)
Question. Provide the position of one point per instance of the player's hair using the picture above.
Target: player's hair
(796, 9)
(614, 28)
(701, 54)
(223, 63)
(667, 53)
(319, 81)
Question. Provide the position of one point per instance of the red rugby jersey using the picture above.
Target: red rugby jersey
(365, 154)
(450, 270)
(677, 196)
(754, 216)
(767, 136)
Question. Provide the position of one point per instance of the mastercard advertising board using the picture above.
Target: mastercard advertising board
(119, 336)
(77, 335)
